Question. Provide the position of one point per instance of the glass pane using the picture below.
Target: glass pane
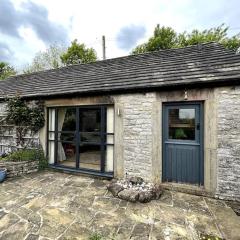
(90, 157)
(90, 137)
(90, 120)
(181, 124)
(109, 158)
(110, 119)
(51, 136)
(110, 139)
(51, 120)
(67, 119)
(67, 154)
(66, 136)
(51, 152)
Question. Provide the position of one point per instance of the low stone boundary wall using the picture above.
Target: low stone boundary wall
(19, 168)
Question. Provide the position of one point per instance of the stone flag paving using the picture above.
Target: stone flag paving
(53, 205)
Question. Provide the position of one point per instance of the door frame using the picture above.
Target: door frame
(201, 135)
(103, 135)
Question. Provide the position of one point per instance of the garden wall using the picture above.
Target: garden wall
(15, 169)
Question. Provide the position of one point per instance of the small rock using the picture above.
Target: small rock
(136, 180)
(114, 188)
(157, 191)
(32, 237)
(129, 195)
(145, 197)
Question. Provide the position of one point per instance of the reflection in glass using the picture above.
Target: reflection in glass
(66, 136)
(90, 120)
(181, 124)
(90, 137)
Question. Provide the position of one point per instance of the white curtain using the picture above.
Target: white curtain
(51, 124)
(61, 117)
(110, 139)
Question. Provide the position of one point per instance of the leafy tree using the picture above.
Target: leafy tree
(78, 53)
(6, 70)
(166, 37)
(163, 38)
(49, 59)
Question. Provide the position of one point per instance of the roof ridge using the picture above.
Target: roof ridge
(189, 65)
(211, 43)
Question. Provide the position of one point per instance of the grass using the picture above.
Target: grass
(96, 236)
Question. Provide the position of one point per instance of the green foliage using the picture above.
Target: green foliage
(163, 38)
(22, 155)
(43, 161)
(95, 236)
(28, 155)
(195, 37)
(180, 134)
(49, 59)
(166, 38)
(17, 111)
(24, 117)
(36, 117)
(6, 70)
(78, 53)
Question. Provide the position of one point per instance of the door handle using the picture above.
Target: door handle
(198, 126)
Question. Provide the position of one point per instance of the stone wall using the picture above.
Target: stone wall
(138, 146)
(228, 151)
(137, 133)
(19, 168)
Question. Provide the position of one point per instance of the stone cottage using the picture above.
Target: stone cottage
(170, 116)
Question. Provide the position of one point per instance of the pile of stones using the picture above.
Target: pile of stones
(134, 189)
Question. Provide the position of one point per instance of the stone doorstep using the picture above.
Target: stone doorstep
(187, 188)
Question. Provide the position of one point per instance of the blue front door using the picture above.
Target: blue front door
(183, 143)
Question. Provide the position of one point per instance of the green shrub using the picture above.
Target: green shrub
(28, 155)
(43, 162)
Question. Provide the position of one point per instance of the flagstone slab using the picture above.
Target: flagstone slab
(51, 205)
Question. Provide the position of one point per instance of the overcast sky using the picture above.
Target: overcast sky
(27, 27)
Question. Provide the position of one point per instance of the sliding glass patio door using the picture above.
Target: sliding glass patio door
(81, 137)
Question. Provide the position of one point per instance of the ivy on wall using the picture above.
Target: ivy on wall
(25, 117)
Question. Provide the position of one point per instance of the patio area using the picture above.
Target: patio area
(54, 205)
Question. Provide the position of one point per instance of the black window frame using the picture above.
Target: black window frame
(103, 137)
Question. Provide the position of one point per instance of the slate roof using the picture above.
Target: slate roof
(194, 65)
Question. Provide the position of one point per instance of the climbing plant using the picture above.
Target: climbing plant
(24, 117)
